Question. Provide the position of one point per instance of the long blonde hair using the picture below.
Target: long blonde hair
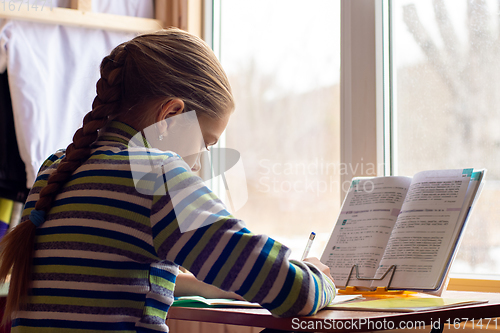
(167, 64)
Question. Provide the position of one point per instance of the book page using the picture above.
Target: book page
(363, 227)
(420, 241)
(471, 196)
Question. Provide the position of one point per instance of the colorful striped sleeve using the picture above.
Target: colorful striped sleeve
(51, 159)
(41, 180)
(191, 227)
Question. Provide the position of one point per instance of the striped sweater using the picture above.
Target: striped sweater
(107, 257)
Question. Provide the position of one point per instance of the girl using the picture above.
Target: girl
(94, 252)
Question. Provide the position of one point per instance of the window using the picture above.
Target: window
(445, 88)
(399, 115)
(418, 92)
(283, 60)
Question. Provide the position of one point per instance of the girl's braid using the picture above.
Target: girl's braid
(106, 103)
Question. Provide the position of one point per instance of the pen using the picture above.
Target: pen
(308, 246)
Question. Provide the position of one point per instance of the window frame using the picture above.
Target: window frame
(211, 34)
(359, 118)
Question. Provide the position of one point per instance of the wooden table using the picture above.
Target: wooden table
(355, 321)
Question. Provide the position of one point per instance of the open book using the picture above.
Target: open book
(406, 304)
(202, 302)
(413, 223)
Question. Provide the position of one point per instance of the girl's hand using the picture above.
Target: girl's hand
(319, 265)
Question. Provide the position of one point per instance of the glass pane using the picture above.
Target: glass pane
(447, 80)
(283, 60)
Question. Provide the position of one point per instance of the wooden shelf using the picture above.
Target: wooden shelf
(81, 18)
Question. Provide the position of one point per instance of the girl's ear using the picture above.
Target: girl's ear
(169, 109)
